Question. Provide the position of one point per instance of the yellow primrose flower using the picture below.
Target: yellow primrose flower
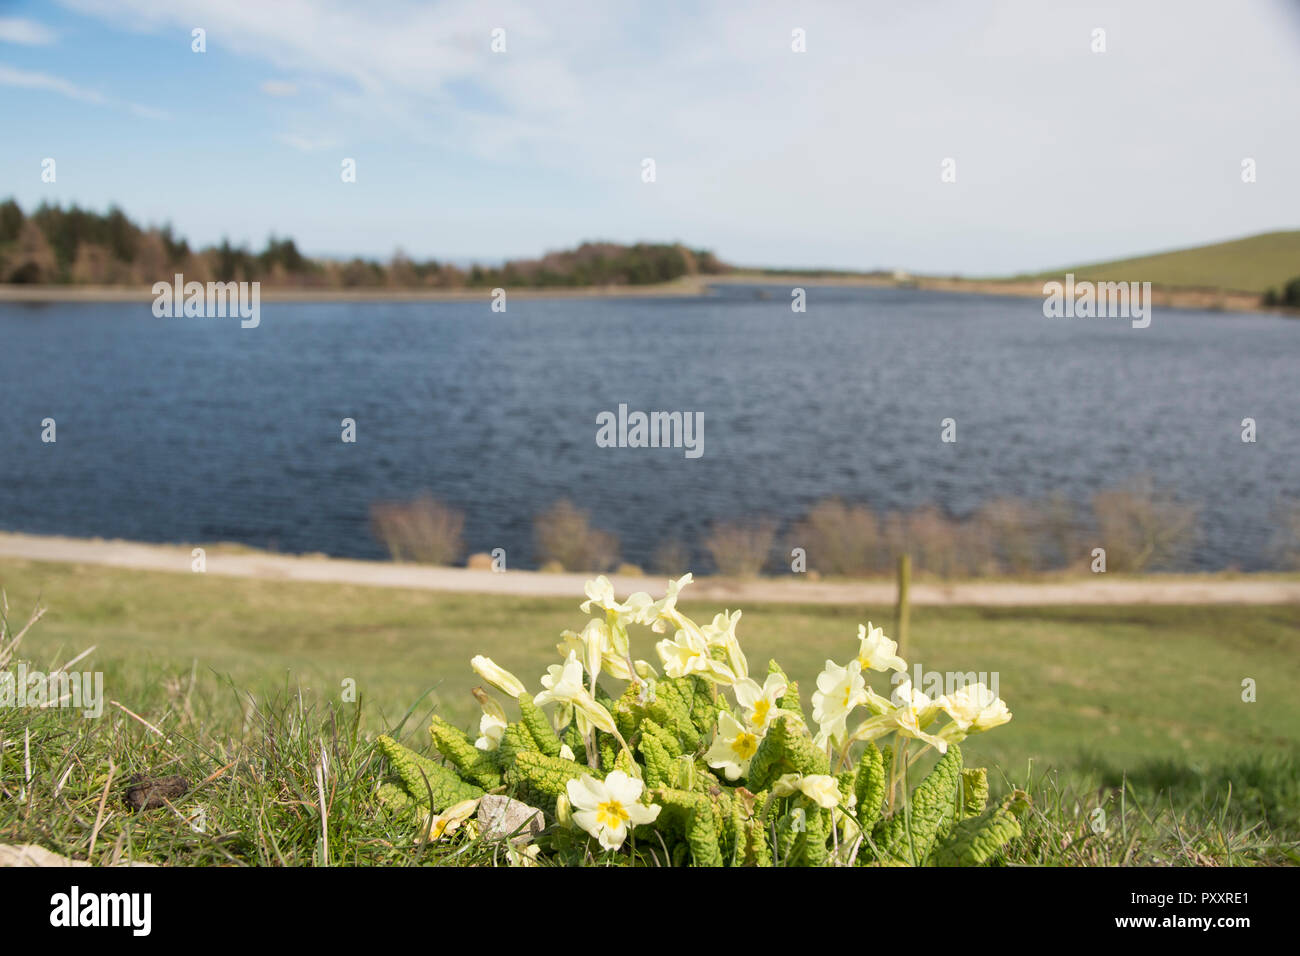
(760, 703)
(446, 822)
(597, 634)
(595, 640)
(688, 653)
(839, 690)
(914, 710)
(722, 633)
(609, 808)
(663, 613)
(733, 747)
(498, 677)
(563, 682)
(600, 592)
(637, 609)
(492, 726)
(877, 652)
(994, 715)
(563, 685)
(820, 788)
(973, 708)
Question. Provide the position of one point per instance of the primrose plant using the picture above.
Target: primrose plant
(696, 761)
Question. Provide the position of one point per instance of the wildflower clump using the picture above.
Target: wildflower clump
(698, 762)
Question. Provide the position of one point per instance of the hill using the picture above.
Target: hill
(1254, 264)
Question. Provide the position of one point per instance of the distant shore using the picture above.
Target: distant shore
(1210, 300)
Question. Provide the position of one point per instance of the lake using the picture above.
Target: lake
(196, 430)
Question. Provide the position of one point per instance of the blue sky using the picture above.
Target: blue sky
(770, 157)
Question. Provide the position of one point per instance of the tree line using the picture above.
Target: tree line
(74, 246)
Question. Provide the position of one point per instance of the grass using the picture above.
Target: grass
(1136, 710)
(1253, 264)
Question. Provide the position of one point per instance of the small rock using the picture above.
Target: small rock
(479, 562)
(500, 816)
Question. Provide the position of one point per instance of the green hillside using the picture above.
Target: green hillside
(1255, 264)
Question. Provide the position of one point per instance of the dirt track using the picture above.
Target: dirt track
(792, 590)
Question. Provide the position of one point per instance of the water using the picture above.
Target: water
(196, 430)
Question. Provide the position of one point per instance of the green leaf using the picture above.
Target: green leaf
(974, 791)
(539, 779)
(659, 765)
(977, 840)
(413, 770)
(539, 726)
(757, 850)
(786, 748)
(394, 797)
(696, 817)
(910, 834)
(515, 739)
(869, 787)
(575, 742)
(608, 749)
(705, 706)
(474, 765)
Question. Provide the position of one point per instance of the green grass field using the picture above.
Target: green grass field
(1137, 709)
(1254, 264)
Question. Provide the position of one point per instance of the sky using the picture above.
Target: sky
(829, 157)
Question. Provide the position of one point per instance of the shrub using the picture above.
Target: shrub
(936, 543)
(671, 558)
(741, 550)
(424, 531)
(1286, 535)
(1291, 293)
(675, 770)
(1006, 535)
(842, 539)
(1141, 526)
(563, 534)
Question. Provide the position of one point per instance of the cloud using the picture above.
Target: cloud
(25, 32)
(279, 88)
(306, 144)
(761, 150)
(31, 80)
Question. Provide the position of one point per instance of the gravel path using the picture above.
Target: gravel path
(1172, 589)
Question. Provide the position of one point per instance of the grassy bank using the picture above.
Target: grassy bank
(216, 664)
(1254, 264)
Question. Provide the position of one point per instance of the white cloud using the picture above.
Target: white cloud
(306, 144)
(832, 154)
(31, 80)
(25, 32)
(279, 88)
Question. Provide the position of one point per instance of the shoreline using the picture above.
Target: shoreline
(236, 561)
(1202, 300)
